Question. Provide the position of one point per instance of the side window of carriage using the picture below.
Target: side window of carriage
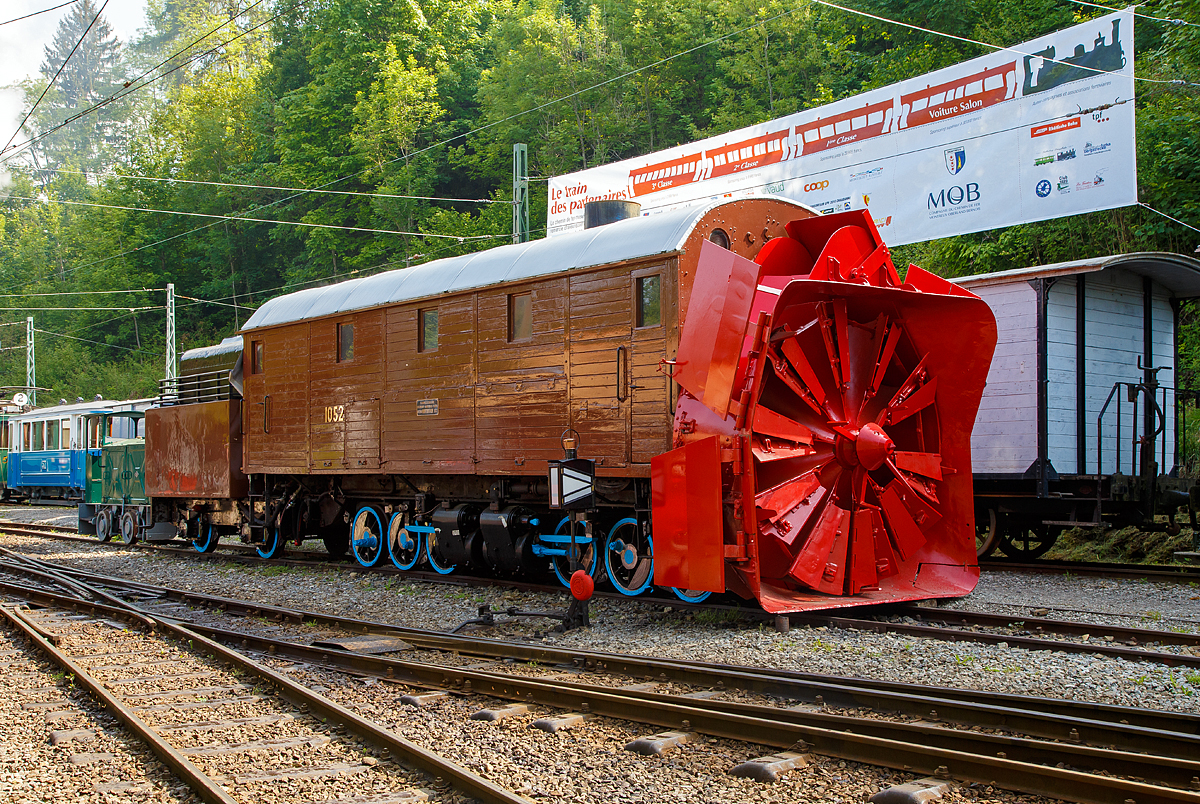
(520, 317)
(256, 357)
(427, 329)
(345, 342)
(648, 300)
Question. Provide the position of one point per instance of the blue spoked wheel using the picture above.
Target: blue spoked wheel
(440, 569)
(366, 536)
(206, 542)
(404, 546)
(688, 596)
(629, 557)
(272, 546)
(587, 553)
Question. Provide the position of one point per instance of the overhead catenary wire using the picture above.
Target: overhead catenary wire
(459, 238)
(1168, 20)
(128, 89)
(97, 343)
(1013, 50)
(43, 11)
(78, 293)
(61, 67)
(285, 189)
(1168, 217)
(76, 309)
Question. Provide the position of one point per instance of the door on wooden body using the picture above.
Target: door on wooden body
(276, 425)
(428, 407)
(599, 352)
(346, 374)
(521, 399)
(653, 295)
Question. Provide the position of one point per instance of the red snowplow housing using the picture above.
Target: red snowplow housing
(828, 405)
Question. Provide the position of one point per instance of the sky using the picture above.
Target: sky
(22, 44)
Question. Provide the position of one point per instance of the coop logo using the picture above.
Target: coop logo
(953, 197)
(1099, 148)
(816, 185)
(956, 160)
(1043, 188)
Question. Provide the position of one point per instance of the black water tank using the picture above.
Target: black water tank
(598, 213)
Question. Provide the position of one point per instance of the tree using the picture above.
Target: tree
(92, 73)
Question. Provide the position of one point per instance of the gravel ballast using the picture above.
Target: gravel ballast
(588, 763)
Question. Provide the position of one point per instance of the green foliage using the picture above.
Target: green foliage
(393, 103)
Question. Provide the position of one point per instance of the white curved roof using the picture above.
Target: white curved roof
(1178, 273)
(231, 344)
(629, 239)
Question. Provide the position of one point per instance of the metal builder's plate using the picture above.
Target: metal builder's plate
(371, 644)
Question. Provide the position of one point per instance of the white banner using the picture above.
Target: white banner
(1038, 131)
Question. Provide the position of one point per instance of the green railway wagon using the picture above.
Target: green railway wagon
(115, 501)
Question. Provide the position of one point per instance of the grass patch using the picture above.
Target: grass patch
(1124, 545)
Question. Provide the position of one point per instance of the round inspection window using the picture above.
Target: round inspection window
(719, 237)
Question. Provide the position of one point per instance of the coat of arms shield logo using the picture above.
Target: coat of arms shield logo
(956, 160)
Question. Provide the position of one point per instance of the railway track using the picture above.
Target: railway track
(1169, 573)
(1029, 632)
(182, 693)
(1062, 749)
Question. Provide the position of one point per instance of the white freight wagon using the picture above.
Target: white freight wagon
(1067, 433)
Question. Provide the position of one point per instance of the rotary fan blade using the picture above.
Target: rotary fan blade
(928, 464)
(912, 397)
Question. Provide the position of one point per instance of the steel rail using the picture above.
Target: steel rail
(1012, 714)
(1172, 573)
(1046, 625)
(846, 691)
(459, 777)
(947, 634)
(773, 727)
(202, 785)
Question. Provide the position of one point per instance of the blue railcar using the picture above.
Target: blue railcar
(48, 447)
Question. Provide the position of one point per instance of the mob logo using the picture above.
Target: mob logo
(953, 196)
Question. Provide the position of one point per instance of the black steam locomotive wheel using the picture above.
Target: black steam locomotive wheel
(1025, 540)
(104, 525)
(130, 527)
(987, 533)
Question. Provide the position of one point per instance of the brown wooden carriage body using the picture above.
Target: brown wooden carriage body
(482, 402)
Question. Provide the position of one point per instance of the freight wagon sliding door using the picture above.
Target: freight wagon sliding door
(599, 354)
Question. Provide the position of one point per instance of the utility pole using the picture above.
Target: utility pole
(30, 364)
(520, 193)
(172, 369)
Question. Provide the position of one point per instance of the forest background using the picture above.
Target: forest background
(231, 108)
